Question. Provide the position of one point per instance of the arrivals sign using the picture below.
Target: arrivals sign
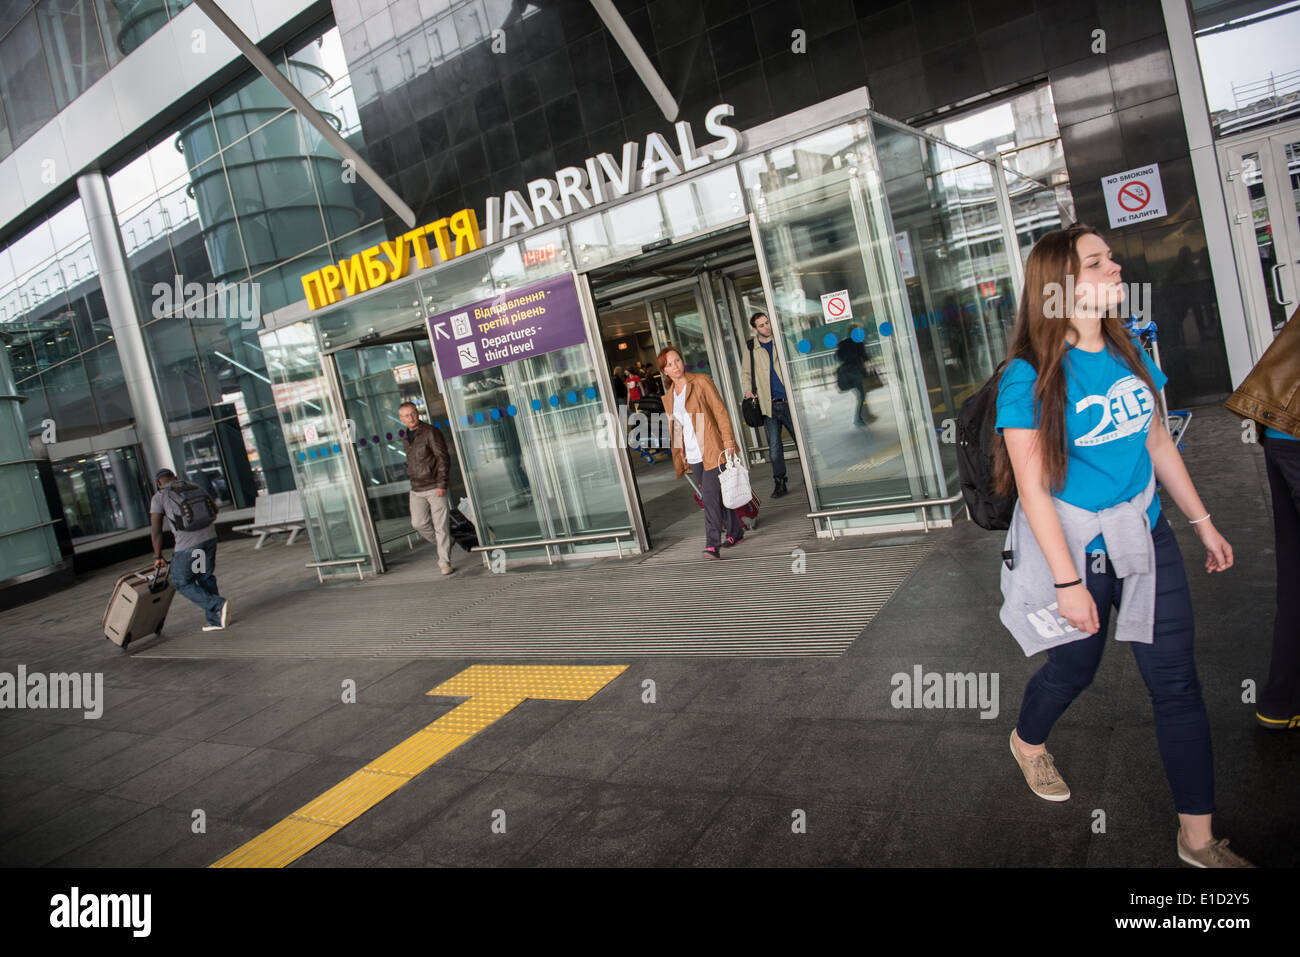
(1134, 195)
(601, 179)
(526, 322)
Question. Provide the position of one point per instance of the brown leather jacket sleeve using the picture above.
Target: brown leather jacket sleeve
(442, 460)
(718, 409)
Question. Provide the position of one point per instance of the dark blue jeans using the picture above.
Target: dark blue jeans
(780, 416)
(199, 587)
(1167, 667)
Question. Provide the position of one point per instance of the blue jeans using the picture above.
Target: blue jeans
(200, 588)
(780, 416)
(1167, 667)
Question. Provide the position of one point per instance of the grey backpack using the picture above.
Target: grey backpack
(188, 507)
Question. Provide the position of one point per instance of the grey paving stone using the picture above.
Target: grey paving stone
(333, 854)
(614, 825)
(132, 844)
(270, 723)
(156, 712)
(65, 832)
(506, 738)
(15, 788)
(334, 728)
(406, 684)
(223, 713)
(388, 824)
(202, 850)
(761, 832)
(399, 724)
(842, 762)
(83, 748)
(134, 759)
(587, 745)
(463, 833)
(177, 772)
(36, 807)
(294, 792)
(919, 839)
(231, 787)
(22, 738)
(712, 752)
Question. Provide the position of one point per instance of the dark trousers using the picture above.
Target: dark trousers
(715, 515)
(199, 586)
(1167, 667)
(775, 448)
(1281, 695)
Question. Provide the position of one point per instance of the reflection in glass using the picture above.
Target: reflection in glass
(103, 493)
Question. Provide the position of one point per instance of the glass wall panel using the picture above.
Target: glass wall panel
(314, 433)
(110, 397)
(180, 383)
(71, 407)
(824, 230)
(24, 82)
(103, 493)
(74, 51)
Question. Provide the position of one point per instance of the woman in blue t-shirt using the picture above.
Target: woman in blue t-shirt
(1080, 424)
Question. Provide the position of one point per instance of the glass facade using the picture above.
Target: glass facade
(52, 51)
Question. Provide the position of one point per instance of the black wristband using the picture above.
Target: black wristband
(1077, 581)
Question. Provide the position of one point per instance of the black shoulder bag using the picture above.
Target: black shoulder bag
(750, 410)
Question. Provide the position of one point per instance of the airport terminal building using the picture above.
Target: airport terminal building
(497, 203)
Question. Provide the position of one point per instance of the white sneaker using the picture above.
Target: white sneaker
(214, 627)
(225, 614)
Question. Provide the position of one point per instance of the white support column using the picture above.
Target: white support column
(1209, 188)
(115, 282)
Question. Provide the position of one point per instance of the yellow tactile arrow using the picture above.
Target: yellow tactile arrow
(493, 690)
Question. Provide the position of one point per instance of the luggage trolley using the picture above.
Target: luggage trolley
(1177, 420)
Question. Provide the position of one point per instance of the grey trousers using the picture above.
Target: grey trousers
(431, 517)
(716, 516)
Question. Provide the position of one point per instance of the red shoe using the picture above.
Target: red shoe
(712, 552)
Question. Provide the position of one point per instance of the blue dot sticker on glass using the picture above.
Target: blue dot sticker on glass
(496, 414)
(804, 346)
(335, 448)
(401, 433)
(830, 340)
(886, 328)
(362, 443)
(478, 417)
(858, 334)
(388, 436)
(302, 457)
(311, 453)
(555, 401)
(511, 411)
(591, 392)
(537, 405)
(375, 439)
(572, 397)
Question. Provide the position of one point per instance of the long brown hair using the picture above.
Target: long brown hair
(1040, 340)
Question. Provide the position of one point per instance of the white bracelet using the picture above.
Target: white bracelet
(1199, 520)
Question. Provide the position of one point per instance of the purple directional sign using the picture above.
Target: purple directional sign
(515, 325)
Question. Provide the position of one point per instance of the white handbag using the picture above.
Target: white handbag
(734, 479)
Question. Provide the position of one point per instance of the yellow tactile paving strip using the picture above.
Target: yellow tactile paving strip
(493, 691)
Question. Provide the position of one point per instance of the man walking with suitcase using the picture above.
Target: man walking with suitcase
(191, 512)
(427, 466)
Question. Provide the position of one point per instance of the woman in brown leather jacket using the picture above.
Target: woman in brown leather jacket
(701, 431)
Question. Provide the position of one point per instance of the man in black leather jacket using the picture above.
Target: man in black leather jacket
(427, 465)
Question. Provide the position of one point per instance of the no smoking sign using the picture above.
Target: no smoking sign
(835, 306)
(1134, 195)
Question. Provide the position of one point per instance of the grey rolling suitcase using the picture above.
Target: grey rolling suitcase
(139, 605)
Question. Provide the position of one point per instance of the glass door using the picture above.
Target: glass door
(376, 381)
(1263, 191)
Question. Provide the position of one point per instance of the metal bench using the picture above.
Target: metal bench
(281, 512)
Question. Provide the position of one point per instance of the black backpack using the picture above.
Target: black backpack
(188, 507)
(975, 423)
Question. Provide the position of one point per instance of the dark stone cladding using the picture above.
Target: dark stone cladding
(489, 121)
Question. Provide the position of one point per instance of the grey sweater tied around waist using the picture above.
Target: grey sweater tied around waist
(1029, 607)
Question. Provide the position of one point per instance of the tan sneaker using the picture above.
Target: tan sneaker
(1040, 774)
(445, 568)
(1214, 854)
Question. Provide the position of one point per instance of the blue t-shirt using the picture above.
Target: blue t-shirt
(778, 390)
(1270, 433)
(1108, 413)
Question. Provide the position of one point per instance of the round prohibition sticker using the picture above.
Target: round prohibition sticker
(1134, 196)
